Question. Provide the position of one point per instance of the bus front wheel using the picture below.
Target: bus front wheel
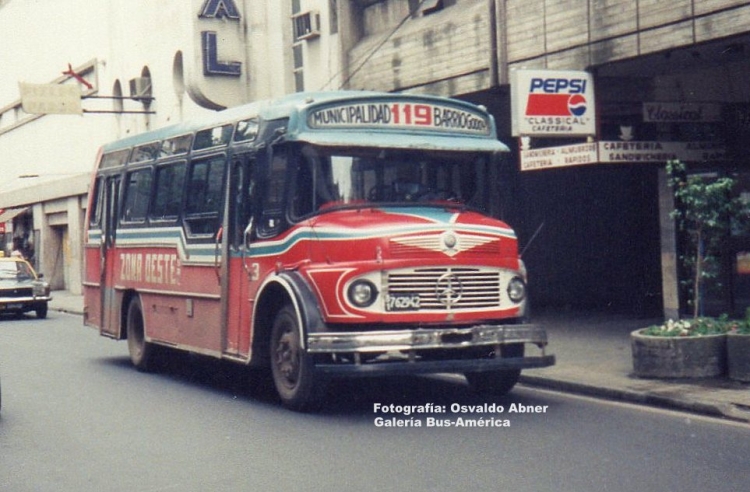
(497, 383)
(141, 352)
(292, 368)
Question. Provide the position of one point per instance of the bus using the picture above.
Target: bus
(319, 235)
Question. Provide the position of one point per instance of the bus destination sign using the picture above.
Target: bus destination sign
(400, 114)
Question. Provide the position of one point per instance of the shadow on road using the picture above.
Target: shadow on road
(350, 397)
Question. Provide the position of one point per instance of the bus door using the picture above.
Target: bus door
(240, 272)
(109, 323)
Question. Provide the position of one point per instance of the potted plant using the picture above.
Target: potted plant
(738, 349)
(690, 348)
(696, 347)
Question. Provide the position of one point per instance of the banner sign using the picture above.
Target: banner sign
(618, 152)
(563, 156)
(552, 103)
(673, 112)
(400, 114)
(635, 152)
(50, 98)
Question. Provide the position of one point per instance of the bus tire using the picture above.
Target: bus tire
(141, 352)
(497, 383)
(292, 368)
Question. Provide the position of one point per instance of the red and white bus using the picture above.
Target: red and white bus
(321, 235)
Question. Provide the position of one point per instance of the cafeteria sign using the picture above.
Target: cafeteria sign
(618, 152)
(552, 103)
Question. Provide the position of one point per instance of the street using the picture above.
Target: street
(77, 417)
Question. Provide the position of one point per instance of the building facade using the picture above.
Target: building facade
(595, 235)
(670, 83)
(139, 65)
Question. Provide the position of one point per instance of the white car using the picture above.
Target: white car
(21, 289)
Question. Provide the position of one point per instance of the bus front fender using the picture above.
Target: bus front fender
(290, 287)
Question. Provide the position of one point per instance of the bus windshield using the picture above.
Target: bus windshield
(329, 178)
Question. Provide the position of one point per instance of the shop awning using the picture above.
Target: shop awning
(9, 214)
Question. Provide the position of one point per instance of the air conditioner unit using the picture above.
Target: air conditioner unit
(140, 88)
(306, 25)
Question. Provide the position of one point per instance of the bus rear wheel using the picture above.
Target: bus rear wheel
(141, 352)
(292, 368)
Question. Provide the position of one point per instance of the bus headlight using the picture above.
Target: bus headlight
(516, 289)
(362, 293)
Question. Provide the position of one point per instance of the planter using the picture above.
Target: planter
(678, 357)
(738, 357)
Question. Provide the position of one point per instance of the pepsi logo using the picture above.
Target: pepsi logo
(577, 105)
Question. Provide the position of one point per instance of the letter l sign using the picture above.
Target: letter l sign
(211, 63)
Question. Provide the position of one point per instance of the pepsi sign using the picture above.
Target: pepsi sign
(552, 102)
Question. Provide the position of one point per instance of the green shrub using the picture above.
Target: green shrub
(691, 327)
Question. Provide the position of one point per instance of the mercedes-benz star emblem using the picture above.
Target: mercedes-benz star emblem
(448, 289)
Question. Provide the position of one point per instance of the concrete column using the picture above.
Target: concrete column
(75, 238)
(669, 276)
(350, 32)
(45, 259)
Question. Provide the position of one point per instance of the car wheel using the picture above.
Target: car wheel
(41, 311)
(292, 368)
(141, 352)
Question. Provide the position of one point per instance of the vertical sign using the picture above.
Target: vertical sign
(218, 9)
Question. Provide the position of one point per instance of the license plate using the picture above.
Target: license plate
(11, 306)
(402, 302)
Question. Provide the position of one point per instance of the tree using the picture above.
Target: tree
(704, 210)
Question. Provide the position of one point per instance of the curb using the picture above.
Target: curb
(712, 409)
(66, 311)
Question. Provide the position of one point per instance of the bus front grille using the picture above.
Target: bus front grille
(447, 288)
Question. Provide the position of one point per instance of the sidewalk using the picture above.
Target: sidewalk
(593, 358)
(63, 300)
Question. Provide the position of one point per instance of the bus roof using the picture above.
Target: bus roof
(299, 108)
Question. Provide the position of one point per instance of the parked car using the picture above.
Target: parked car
(22, 289)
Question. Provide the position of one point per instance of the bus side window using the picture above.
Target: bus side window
(170, 180)
(242, 198)
(203, 203)
(137, 195)
(95, 217)
(273, 199)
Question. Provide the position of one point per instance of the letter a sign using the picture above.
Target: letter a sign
(217, 9)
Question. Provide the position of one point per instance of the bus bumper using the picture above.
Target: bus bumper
(470, 349)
